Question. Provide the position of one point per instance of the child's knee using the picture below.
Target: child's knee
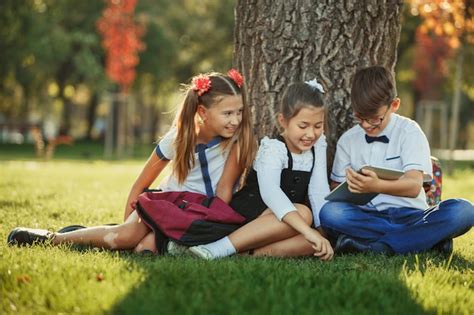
(125, 236)
(331, 214)
(305, 213)
(146, 244)
(463, 211)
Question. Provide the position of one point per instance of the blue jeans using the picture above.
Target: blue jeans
(403, 230)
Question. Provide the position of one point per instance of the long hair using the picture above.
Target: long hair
(186, 124)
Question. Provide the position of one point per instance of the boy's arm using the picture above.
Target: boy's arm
(230, 175)
(409, 185)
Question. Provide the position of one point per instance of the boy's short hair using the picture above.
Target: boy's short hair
(372, 88)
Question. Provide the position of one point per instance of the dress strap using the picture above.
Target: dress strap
(290, 158)
(314, 159)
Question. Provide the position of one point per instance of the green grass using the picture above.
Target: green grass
(65, 280)
(80, 150)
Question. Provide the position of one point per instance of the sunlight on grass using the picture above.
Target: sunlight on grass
(42, 279)
(440, 287)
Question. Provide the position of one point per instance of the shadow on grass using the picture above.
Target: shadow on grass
(358, 284)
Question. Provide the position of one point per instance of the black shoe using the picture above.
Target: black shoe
(445, 247)
(348, 245)
(25, 236)
(71, 228)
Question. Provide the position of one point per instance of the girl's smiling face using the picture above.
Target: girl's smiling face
(303, 130)
(223, 118)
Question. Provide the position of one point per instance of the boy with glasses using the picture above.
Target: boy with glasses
(398, 219)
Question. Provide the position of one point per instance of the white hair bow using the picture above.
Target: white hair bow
(315, 85)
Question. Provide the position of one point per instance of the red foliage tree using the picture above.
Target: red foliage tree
(445, 25)
(431, 64)
(121, 39)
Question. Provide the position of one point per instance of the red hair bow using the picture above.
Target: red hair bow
(201, 84)
(236, 77)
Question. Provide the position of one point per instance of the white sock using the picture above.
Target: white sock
(221, 248)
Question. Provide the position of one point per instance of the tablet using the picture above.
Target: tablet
(342, 193)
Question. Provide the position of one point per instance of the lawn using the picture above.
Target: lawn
(66, 280)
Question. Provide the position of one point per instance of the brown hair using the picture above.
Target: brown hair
(297, 96)
(185, 121)
(372, 88)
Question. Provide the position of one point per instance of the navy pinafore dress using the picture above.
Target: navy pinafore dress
(248, 201)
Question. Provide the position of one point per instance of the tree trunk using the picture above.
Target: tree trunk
(91, 114)
(279, 42)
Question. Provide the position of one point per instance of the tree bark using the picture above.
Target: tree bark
(278, 42)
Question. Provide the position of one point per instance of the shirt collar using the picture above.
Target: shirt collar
(203, 146)
(391, 124)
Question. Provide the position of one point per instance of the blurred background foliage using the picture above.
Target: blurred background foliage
(53, 78)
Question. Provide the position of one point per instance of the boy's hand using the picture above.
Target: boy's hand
(367, 182)
(322, 247)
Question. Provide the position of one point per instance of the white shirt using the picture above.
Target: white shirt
(201, 175)
(408, 149)
(272, 158)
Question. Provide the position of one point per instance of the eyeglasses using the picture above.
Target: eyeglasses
(374, 122)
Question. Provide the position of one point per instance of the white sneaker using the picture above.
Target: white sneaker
(175, 249)
(201, 251)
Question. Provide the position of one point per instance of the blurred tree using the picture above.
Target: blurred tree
(49, 41)
(122, 41)
(49, 48)
(279, 42)
(453, 22)
(183, 38)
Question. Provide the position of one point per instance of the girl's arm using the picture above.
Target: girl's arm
(230, 175)
(318, 187)
(149, 173)
(320, 244)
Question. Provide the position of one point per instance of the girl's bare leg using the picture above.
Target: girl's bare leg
(266, 229)
(295, 246)
(147, 243)
(124, 236)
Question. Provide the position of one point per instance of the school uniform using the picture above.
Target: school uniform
(403, 224)
(209, 164)
(190, 213)
(280, 178)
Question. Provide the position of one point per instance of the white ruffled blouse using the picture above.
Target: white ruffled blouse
(272, 158)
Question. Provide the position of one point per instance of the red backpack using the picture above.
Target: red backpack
(187, 218)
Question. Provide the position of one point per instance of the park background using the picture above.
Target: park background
(76, 127)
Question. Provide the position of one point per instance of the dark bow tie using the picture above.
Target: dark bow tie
(370, 139)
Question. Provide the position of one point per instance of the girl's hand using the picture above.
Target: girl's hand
(133, 204)
(322, 248)
(367, 182)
